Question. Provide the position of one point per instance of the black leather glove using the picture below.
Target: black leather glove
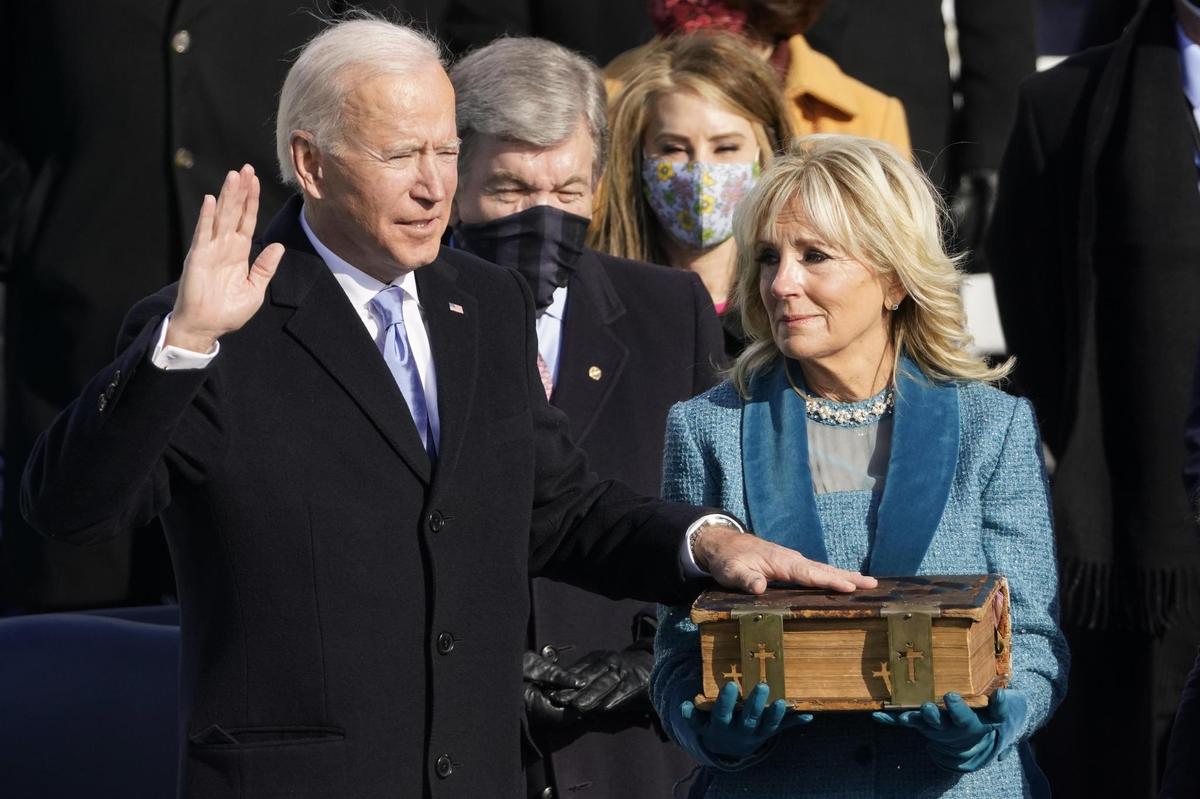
(542, 676)
(613, 681)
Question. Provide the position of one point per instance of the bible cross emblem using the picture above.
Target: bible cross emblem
(762, 656)
(911, 656)
(736, 676)
(885, 674)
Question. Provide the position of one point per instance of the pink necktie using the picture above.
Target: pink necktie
(547, 378)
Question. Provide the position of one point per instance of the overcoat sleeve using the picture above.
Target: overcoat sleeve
(102, 466)
(599, 535)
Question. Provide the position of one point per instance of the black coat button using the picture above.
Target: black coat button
(443, 766)
(436, 521)
(547, 793)
(445, 643)
(550, 653)
(102, 403)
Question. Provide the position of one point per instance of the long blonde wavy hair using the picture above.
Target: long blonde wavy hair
(715, 65)
(863, 196)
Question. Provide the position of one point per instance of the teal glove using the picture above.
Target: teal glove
(733, 733)
(961, 739)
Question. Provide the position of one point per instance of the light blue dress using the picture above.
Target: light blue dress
(964, 493)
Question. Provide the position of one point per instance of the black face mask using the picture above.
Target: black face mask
(542, 243)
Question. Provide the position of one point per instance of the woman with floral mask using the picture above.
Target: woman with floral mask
(690, 132)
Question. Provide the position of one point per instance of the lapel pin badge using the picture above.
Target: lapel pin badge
(595, 373)
(456, 308)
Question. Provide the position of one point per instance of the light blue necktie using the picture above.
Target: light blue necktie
(389, 309)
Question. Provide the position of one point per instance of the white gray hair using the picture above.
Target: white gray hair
(328, 69)
(529, 91)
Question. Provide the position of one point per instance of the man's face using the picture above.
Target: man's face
(505, 178)
(383, 200)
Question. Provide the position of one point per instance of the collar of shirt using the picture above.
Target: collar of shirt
(549, 330)
(360, 289)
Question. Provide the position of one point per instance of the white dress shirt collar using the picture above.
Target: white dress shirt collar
(360, 287)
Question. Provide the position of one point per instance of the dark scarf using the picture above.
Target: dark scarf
(1127, 545)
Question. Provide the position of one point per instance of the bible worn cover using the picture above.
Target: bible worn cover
(908, 641)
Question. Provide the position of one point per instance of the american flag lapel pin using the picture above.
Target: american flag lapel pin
(456, 308)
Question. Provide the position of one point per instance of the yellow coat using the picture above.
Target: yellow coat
(821, 98)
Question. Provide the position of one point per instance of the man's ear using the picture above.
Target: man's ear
(306, 162)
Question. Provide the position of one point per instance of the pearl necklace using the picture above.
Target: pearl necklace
(839, 414)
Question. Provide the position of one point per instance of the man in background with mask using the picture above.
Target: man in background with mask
(619, 342)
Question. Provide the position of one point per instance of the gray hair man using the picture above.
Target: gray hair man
(348, 445)
(619, 342)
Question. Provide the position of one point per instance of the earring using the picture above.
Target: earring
(896, 306)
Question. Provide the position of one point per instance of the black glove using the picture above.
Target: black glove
(543, 676)
(613, 681)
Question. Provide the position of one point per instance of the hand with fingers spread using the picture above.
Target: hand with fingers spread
(542, 676)
(747, 563)
(962, 739)
(220, 289)
(730, 732)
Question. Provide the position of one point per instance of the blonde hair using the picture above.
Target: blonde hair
(863, 196)
(715, 65)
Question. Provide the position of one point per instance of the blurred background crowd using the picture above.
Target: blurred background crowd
(1058, 132)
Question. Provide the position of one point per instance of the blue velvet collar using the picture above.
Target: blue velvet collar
(781, 504)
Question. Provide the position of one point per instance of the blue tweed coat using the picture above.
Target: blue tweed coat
(965, 494)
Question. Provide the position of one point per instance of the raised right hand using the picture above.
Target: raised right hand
(219, 289)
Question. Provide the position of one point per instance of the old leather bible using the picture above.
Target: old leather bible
(908, 641)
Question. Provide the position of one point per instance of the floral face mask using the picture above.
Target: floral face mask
(694, 202)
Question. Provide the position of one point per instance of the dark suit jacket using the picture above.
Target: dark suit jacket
(653, 336)
(1095, 246)
(1095, 249)
(352, 620)
(98, 102)
(900, 49)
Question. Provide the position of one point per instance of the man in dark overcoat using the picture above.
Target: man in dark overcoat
(1095, 248)
(348, 442)
(621, 341)
(119, 117)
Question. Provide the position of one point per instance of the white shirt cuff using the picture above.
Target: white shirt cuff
(169, 357)
(690, 569)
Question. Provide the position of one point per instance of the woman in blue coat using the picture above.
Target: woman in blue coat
(859, 429)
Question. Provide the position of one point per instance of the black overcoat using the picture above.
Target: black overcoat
(1095, 251)
(120, 116)
(352, 619)
(636, 339)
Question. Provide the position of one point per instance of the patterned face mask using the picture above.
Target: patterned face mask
(694, 202)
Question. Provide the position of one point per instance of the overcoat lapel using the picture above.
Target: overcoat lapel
(592, 357)
(780, 499)
(326, 325)
(451, 314)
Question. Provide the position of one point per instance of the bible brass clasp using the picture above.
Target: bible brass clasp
(760, 635)
(908, 671)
